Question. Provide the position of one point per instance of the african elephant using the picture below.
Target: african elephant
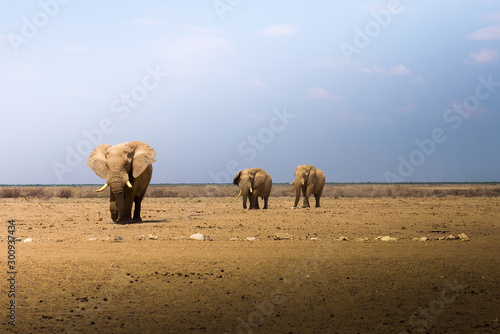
(309, 180)
(127, 169)
(254, 183)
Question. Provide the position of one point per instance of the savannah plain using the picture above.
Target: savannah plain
(311, 270)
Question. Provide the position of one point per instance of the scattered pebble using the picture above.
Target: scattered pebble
(423, 239)
(28, 240)
(463, 237)
(234, 239)
(283, 236)
(197, 236)
(361, 239)
(142, 237)
(342, 238)
(314, 239)
(92, 239)
(118, 239)
(385, 238)
(451, 237)
(153, 237)
(251, 239)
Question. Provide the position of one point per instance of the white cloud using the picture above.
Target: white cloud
(484, 56)
(149, 21)
(490, 33)
(258, 83)
(399, 70)
(279, 30)
(418, 80)
(318, 93)
(408, 109)
(396, 70)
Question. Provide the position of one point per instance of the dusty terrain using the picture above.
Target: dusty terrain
(75, 277)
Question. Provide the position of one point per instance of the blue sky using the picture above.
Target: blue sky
(367, 91)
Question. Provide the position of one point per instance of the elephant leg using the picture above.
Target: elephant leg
(317, 197)
(265, 202)
(257, 203)
(297, 197)
(137, 209)
(306, 194)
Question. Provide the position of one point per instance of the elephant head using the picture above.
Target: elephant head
(127, 169)
(253, 183)
(308, 180)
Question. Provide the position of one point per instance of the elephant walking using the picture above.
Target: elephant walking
(253, 183)
(127, 169)
(308, 180)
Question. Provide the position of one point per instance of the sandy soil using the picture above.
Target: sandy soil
(68, 282)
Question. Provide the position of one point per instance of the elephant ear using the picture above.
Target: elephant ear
(97, 161)
(236, 179)
(144, 155)
(259, 178)
(312, 175)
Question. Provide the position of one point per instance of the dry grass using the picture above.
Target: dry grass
(279, 190)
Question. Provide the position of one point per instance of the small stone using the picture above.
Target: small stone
(343, 239)
(314, 239)
(283, 236)
(28, 240)
(234, 239)
(197, 236)
(153, 237)
(250, 238)
(463, 237)
(451, 237)
(141, 237)
(118, 239)
(385, 238)
(92, 239)
(423, 239)
(361, 239)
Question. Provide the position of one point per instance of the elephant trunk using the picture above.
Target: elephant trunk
(119, 185)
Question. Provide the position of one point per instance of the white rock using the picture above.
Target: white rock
(142, 237)
(28, 240)
(314, 239)
(153, 237)
(463, 237)
(342, 238)
(423, 239)
(283, 236)
(92, 239)
(234, 239)
(451, 237)
(197, 236)
(385, 238)
(251, 238)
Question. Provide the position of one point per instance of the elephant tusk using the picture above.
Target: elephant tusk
(102, 188)
(129, 184)
(251, 191)
(239, 194)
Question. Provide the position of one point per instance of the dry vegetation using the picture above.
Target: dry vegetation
(279, 190)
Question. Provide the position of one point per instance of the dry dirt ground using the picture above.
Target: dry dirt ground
(75, 277)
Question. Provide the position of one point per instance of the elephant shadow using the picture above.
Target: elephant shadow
(145, 221)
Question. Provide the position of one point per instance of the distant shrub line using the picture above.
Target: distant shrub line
(279, 190)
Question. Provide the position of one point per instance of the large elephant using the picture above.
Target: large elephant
(127, 169)
(308, 180)
(253, 183)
